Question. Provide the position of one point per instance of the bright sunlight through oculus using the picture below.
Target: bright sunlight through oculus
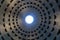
(29, 19)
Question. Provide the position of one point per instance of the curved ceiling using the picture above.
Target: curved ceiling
(45, 27)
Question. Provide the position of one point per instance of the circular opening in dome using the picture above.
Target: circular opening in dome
(29, 19)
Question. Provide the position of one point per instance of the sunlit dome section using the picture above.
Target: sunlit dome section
(29, 19)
